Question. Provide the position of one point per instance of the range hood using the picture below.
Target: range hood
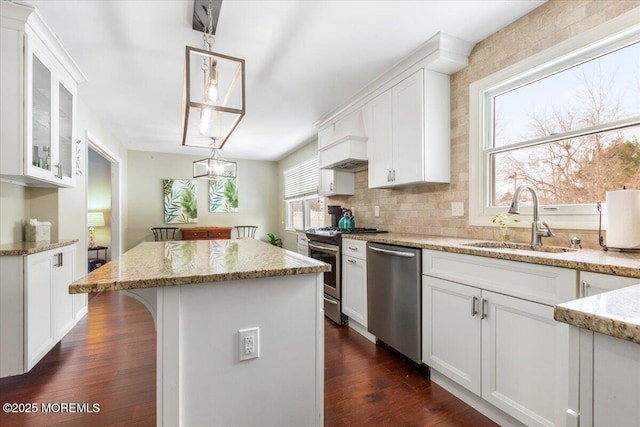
(344, 145)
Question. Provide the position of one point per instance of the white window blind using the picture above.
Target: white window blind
(302, 179)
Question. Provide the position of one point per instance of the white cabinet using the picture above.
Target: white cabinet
(334, 182)
(409, 132)
(505, 348)
(597, 283)
(38, 105)
(451, 331)
(37, 309)
(303, 244)
(609, 381)
(354, 280)
(39, 335)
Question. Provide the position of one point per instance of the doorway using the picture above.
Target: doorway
(103, 201)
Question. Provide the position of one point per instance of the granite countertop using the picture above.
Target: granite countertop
(615, 313)
(29, 248)
(597, 261)
(185, 262)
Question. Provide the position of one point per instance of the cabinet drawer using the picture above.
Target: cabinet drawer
(354, 248)
(219, 234)
(195, 235)
(596, 283)
(533, 282)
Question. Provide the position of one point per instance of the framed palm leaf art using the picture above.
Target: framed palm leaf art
(180, 201)
(223, 196)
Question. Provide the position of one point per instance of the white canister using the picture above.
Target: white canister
(623, 219)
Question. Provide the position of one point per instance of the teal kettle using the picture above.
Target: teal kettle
(347, 220)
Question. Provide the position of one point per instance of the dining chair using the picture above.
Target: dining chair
(246, 231)
(164, 233)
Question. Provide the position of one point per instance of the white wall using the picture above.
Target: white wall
(13, 212)
(257, 195)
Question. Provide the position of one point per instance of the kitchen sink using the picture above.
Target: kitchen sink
(519, 246)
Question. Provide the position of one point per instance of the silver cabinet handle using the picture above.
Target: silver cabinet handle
(483, 307)
(331, 186)
(388, 175)
(59, 174)
(393, 175)
(57, 260)
(474, 306)
(352, 261)
(396, 253)
(353, 248)
(585, 288)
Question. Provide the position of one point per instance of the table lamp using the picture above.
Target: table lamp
(94, 219)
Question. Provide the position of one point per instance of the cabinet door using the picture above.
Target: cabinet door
(39, 112)
(408, 130)
(451, 330)
(63, 272)
(334, 182)
(354, 289)
(39, 330)
(325, 186)
(616, 382)
(380, 141)
(525, 355)
(64, 164)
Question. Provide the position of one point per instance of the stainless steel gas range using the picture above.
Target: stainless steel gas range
(325, 244)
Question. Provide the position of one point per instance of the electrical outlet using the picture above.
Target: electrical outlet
(457, 208)
(249, 343)
(376, 211)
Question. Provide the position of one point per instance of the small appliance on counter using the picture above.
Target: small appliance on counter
(347, 220)
(335, 212)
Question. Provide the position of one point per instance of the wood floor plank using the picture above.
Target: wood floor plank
(110, 358)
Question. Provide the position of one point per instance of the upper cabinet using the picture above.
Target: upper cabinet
(38, 106)
(406, 118)
(402, 149)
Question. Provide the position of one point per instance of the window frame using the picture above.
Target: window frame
(617, 33)
(303, 190)
(305, 211)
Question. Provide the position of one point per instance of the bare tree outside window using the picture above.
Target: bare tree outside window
(572, 135)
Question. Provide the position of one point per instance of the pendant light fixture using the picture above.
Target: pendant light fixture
(215, 168)
(213, 96)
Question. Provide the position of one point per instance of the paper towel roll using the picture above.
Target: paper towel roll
(623, 219)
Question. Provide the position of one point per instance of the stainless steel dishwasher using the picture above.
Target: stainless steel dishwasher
(394, 297)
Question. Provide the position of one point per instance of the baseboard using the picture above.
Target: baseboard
(362, 330)
(476, 402)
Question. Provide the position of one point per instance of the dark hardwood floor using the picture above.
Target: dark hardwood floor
(109, 359)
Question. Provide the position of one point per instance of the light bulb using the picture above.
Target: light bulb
(205, 119)
(212, 86)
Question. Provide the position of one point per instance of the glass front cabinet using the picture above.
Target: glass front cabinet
(39, 82)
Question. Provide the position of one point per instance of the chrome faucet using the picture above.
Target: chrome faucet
(539, 229)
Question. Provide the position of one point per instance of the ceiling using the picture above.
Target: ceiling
(303, 59)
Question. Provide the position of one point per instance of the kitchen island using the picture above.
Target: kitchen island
(206, 292)
(609, 328)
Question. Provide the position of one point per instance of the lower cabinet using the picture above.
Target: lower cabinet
(609, 381)
(507, 350)
(37, 309)
(354, 280)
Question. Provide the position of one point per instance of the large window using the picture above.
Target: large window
(568, 125)
(303, 207)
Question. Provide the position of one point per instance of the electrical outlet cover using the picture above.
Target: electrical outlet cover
(249, 343)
